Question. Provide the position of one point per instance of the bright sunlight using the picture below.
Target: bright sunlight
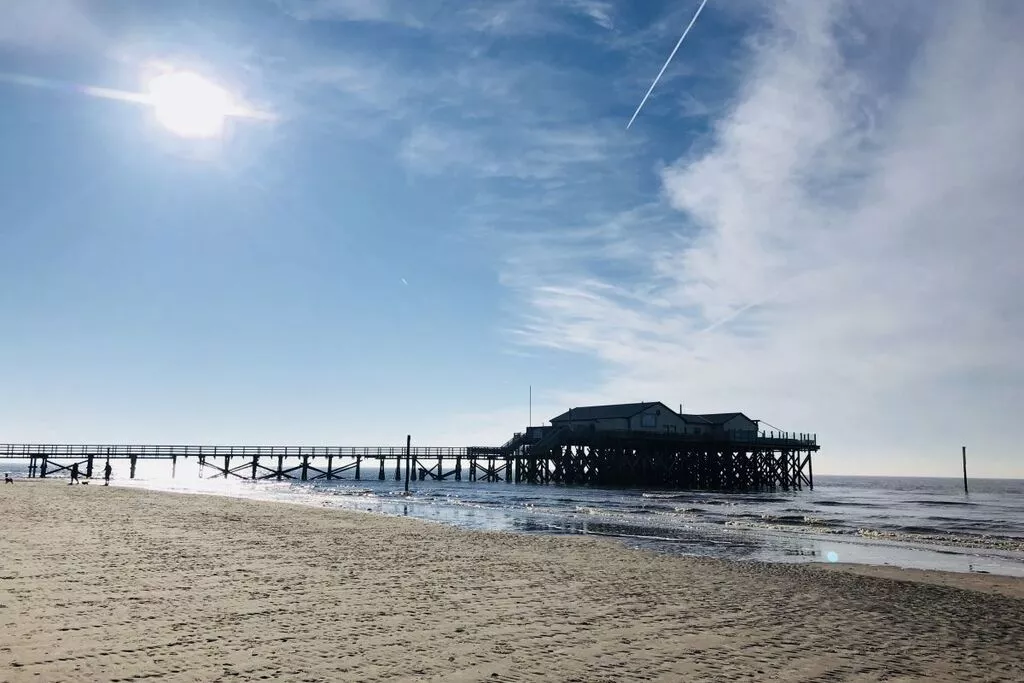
(189, 105)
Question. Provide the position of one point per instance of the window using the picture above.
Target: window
(648, 421)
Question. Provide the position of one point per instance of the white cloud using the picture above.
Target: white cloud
(855, 266)
(46, 24)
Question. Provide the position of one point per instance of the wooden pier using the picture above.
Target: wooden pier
(776, 461)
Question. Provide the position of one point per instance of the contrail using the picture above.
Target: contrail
(667, 62)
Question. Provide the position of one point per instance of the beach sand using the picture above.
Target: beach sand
(115, 584)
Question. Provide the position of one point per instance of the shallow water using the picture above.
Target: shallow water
(908, 522)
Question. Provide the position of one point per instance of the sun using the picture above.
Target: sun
(189, 105)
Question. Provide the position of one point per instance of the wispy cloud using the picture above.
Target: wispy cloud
(496, 17)
(847, 242)
(46, 24)
(349, 10)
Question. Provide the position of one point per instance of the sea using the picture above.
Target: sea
(912, 522)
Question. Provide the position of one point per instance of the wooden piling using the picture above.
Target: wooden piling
(408, 450)
(42, 474)
(359, 461)
(88, 466)
(132, 461)
(964, 452)
(280, 467)
(330, 466)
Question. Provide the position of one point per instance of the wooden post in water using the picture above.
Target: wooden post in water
(305, 466)
(42, 470)
(964, 451)
(408, 465)
(280, 466)
(131, 471)
(359, 461)
(330, 466)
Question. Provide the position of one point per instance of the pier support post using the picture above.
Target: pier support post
(305, 467)
(359, 461)
(227, 465)
(255, 465)
(42, 470)
(380, 475)
(132, 460)
(330, 466)
(174, 465)
(398, 467)
(964, 451)
(408, 452)
(810, 470)
(458, 467)
(280, 467)
(88, 467)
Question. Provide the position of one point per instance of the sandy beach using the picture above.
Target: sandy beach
(113, 584)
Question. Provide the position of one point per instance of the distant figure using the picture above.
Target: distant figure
(7, 478)
(74, 474)
(106, 474)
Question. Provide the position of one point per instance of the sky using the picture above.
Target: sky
(815, 220)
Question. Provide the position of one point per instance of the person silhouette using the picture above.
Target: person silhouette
(7, 478)
(106, 474)
(74, 474)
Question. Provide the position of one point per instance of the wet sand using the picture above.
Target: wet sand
(111, 584)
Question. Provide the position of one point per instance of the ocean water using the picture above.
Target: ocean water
(920, 523)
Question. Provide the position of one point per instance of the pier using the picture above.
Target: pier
(549, 455)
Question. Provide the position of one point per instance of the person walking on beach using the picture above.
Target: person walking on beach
(74, 474)
(7, 478)
(106, 474)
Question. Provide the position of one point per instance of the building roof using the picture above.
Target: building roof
(627, 410)
(717, 418)
(619, 410)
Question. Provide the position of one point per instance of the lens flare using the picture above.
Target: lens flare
(189, 105)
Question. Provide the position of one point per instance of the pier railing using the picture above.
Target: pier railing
(144, 451)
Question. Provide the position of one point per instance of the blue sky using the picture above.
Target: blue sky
(815, 220)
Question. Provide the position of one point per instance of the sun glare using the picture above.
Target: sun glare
(189, 105)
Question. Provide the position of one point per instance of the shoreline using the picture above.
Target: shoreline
(738, 538)
(102, 583)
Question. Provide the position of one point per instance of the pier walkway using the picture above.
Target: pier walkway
(766, 461)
